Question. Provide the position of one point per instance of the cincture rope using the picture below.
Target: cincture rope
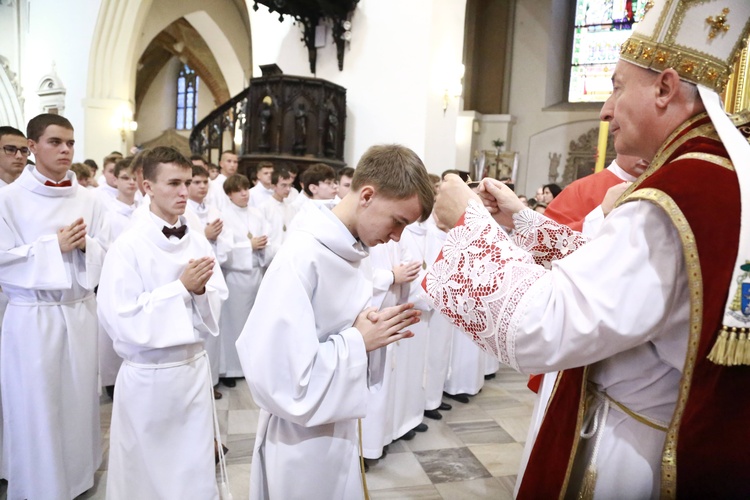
(225, 493)
(362, 461)
(593, 426)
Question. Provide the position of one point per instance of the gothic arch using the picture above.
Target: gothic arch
(124, 29)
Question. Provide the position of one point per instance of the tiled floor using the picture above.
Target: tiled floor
(473, 452)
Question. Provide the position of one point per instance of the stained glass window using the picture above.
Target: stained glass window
(187, 101)
(601, 26)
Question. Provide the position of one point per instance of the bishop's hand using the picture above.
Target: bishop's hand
(452, 199)
(500, 201)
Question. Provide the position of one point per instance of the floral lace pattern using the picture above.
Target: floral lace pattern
(545, 239)
(480, 281)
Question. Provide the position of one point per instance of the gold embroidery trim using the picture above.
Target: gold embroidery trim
(579, 423)
(691, 64)
(695, 288)
(709, 158)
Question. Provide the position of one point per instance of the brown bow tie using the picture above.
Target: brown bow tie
(61, 184)
(174, 231)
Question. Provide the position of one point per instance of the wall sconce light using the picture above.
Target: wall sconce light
(455, 88)
(123, 121)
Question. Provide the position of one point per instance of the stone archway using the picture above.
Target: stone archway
(11, 110)
(123, 30)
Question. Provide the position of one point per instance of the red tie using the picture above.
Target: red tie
(61, 184)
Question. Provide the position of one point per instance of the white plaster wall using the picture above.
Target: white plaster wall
(531, 88)
(59, 33)
(11, 29)
(392, 94)
(445, 55)
(231, 68)
(157, 111)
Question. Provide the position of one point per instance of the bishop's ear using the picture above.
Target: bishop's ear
(668, 85)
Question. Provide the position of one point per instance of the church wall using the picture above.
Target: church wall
(157, 111)
(394, 93)
(401, 58)
(59, 34)
(539, 49)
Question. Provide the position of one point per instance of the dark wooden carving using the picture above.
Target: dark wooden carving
(288, 120)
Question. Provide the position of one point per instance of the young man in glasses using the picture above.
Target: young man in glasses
(14, 151)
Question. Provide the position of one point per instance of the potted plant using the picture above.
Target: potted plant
(498, 145)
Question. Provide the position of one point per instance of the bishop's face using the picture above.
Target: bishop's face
(169, 190)
(631, 111)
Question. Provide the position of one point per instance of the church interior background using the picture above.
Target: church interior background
(450, 79)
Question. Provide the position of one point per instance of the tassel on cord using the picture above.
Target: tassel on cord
(732, 347)
(589, 484)
(719, 350)
(746, 357)
(739, 355)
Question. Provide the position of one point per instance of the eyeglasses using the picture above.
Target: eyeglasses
(12, 150)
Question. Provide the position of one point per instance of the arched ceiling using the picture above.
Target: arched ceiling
(180, 39)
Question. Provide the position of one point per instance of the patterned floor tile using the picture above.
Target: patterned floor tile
(481, 432)
(427, 492)
(397, 470)
(478, 489)
(499, 459)
(457, 464)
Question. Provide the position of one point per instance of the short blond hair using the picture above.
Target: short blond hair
(398, 173)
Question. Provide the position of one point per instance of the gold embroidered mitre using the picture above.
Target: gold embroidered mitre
(700, 39)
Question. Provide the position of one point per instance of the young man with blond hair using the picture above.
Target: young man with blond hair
(310, 372)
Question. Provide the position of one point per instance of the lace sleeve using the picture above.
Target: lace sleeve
(545, 239)
(480, 279)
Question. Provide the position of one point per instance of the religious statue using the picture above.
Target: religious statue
(300, 130)
(264, 143)
(332, 125)
(554, 162)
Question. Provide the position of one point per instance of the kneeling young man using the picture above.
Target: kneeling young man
(158, 301)
(310, 365)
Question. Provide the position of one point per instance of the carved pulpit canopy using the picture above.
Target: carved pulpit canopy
(312, 13)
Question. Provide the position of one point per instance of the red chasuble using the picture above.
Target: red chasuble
(707, 448)
(577, 200)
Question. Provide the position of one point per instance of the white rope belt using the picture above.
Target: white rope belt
(20, 303)
(225, 494)
(593, 426)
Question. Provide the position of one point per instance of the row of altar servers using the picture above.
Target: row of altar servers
(437, 359)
